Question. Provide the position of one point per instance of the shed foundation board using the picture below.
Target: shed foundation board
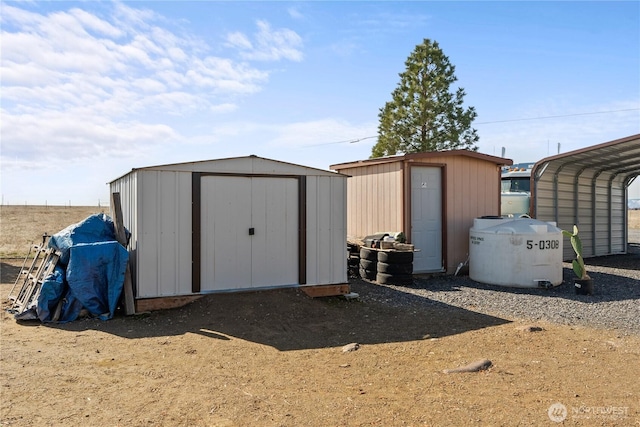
(327, 290)
(164, 303)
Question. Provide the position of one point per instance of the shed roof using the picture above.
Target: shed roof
(500, 161)
(254, 163)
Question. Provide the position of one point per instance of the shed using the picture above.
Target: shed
(589, 188)
(233, 224)
(432, 197)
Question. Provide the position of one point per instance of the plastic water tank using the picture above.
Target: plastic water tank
(524, 252)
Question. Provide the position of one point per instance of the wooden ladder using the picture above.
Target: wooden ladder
(27, 286)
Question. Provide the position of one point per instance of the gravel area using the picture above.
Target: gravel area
(615, 303)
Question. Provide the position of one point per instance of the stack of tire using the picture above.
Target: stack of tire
(394, 267)
(368, 263)
(353, 259)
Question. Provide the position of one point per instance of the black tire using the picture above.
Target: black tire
(394, 279)
(370, 254)
(395, 257)
(367, 274)
(367, 264)
(401, 269)
(353, 261)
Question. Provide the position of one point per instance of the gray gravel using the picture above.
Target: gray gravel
(615, 303)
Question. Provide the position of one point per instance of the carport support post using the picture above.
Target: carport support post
(129, 304)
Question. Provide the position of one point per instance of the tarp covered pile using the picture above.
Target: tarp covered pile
(89, 274)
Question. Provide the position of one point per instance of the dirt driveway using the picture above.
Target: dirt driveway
(275, 358)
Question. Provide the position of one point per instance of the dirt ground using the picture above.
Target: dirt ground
(275, 358)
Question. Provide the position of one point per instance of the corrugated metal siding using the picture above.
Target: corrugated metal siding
(619, 217)
(326, 230)
(164, 237)
(570, 195)
(375, 199)
(127, 186)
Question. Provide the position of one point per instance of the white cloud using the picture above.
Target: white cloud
(269, 44)
(295, 13)
(83, 84)
(239, 41)
(56, 136)
(92, 22)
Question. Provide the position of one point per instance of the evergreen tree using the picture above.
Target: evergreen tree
(423, 114)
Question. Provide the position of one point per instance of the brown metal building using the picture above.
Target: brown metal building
(432, 197)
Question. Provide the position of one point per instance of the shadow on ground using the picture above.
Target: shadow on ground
(288, 319)
(628, 261)
(9, 272)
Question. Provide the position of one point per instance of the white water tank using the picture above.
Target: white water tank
(524, 252)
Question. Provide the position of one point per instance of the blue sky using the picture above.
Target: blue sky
(90, 90)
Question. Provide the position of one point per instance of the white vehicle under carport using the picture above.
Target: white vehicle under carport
(515, 194)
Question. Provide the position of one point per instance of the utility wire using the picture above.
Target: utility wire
(349, 141)
(554, 117)
(353, 141)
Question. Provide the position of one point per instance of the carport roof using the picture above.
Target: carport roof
(589, 188)
(619, 158)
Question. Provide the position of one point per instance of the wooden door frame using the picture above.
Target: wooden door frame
(196, 223)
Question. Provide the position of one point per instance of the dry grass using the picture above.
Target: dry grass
(634, 219)
(23, 226)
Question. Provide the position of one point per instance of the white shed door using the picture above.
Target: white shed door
(249, 232)
(426, 218)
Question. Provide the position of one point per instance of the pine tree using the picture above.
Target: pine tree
(424, 115)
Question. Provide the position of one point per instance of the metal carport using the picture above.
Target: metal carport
(588, 188)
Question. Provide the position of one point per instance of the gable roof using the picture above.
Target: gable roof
(500, 161)
(244, 165)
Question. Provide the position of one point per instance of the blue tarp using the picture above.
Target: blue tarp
(90, 273)
(95, 228)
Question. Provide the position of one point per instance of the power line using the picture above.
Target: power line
(353, 141)
(554, 117)
(349, 141)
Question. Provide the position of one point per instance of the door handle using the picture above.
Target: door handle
(252, 231)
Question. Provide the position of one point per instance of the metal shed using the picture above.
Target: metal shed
(233, 224)
(432, 197)
(588, 188)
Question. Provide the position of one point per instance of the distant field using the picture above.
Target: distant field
(634, 219)
(22, 226)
